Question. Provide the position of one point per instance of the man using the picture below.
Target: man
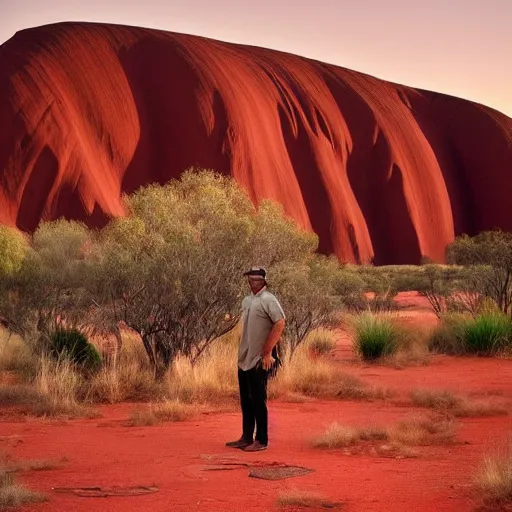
(263, 322)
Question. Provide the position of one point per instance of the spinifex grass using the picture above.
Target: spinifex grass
(375, 336)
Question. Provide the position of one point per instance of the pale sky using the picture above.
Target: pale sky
(459, 47)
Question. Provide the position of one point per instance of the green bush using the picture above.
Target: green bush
(13, 250)
(375, 337)
(73, 344)
(484, 335)
(487, 334)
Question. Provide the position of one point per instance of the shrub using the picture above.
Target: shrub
(51, 281)
(13, 250)
(488, 257)
(308, 296)
(73, 344)
(487, 334)
(375, 336)
(173, 269)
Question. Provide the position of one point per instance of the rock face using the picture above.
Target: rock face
(380, 171)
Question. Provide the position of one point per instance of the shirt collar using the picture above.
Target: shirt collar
(259, 293)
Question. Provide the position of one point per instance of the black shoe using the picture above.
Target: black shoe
(241, 443)
(255, 447)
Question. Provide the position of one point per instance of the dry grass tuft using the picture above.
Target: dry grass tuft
(54, 392)
(320, 341)
(434, 399)
(158, 413)
(340, 436)
(295, 498)
(16, 355)
(212, 379)
(461, 407)
(493, 481)
(421, 431)
(60, 385)
(304, 375)
(416, 431)
(412, 350)
(21, 395)
(10, 466)
(16, 495)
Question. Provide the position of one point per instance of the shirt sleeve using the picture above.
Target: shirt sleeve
(273, 308)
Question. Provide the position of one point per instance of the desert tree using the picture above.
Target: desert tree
(172, 269)
(488, 259)
(48, 287)
(308, 293)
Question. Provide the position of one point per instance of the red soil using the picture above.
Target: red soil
(174, 456)
(378, 170)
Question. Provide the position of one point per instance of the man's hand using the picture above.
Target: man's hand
(267, 362)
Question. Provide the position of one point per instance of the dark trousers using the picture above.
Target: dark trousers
(253, 400)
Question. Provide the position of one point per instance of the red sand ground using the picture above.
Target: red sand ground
(174, 456)
(377, 170)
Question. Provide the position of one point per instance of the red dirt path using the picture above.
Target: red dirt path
(174, 456)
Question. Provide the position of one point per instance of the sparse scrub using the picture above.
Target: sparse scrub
(296, 498)
(415, 431)
(321, 378)
(128, 378)
(167, 411)
(14, 495)
(340, 436)
(375, 336)
(20, 395)
(434, 399)
(33, 401)
(461, 407)
(7, 465)
(421, 431)
(320, 341)
(124, 382)
(16, 355)
(487, 334)
(448, 336)
(60, 384)
(413, 348)
(493, 481)
(213, 377)
(488, 260)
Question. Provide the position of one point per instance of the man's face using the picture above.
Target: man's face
(256, 284)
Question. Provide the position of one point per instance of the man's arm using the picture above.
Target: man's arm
(273, 338)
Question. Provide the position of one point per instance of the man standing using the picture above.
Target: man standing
(263, 322)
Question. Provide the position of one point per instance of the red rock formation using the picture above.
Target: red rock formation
(379, 171)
